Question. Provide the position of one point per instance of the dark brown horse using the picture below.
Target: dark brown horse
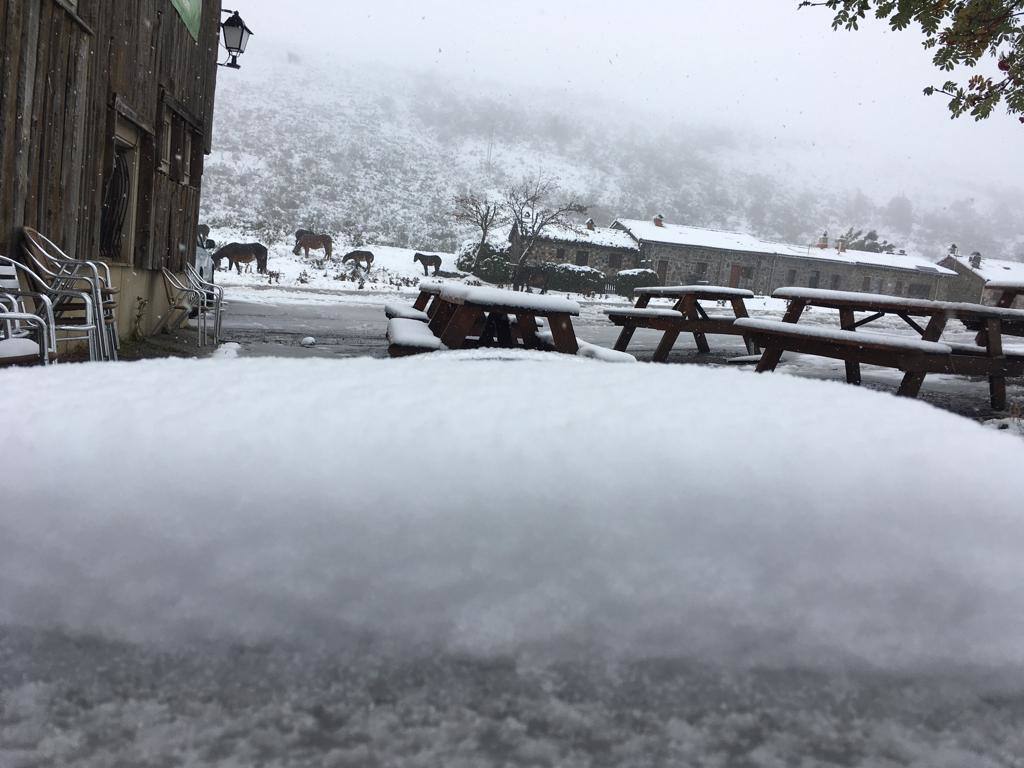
(238, 254)
(359, 257)
(428, 260)
(309, 241)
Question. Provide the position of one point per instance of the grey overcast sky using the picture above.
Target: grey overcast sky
(744, 63)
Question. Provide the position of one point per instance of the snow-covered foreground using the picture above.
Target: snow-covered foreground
(467, 560)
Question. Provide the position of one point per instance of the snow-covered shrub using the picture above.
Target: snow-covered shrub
(628, 280)
(572, 278)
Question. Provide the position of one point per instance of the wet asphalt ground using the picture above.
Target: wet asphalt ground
(358, 330)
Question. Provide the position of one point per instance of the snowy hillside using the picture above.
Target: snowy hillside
(376, 155)
(392, 269)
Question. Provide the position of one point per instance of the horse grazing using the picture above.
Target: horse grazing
(428, 260)
(359, 257)
(238, 254)
(309, 241)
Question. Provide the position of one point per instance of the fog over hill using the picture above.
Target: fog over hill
(376, 152)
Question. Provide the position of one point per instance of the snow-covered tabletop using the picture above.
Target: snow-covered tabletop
(709, 291)
(484, 296)
(643, 312)
(824, 297)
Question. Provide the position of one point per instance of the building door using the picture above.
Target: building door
(735, 274)
(662, 271)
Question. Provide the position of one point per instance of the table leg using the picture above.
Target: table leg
(458, 328)
(528, 329)
(912, 381)
(997, 381)
(690, 312)
(422, 300)
(665, 346)
(563, 334)
(794, 311)
(739, 308)
(442, 314)
(770, 358)
(625, 336)
(848, 322)
(503, 330)
(487, 332)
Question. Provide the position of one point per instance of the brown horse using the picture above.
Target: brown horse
(238, 254)
(428, 260)
(359, 257)
(308, 241)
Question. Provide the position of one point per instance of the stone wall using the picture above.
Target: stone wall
(762, 273)
(598, 257)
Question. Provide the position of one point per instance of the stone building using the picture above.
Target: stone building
(603, 248)
(975, 272)
(684, 255)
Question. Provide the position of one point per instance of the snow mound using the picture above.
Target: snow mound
(500, 505)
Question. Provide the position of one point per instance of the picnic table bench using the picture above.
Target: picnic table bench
(451, 315)
(915, 357)
(686, 316)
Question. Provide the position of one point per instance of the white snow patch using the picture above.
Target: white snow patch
(500, 505)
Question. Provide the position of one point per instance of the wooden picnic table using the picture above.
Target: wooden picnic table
(686, 316)
(449, 315)
(916, 357)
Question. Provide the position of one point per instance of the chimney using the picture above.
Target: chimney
(823, 240)
(591, 225)
(841, 245)
(975, 260)
(659, 220)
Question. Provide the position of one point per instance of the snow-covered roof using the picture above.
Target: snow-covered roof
(995, 270)
(603, 237)
(677, 234)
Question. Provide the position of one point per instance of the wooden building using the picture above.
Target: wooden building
(684, 255)
(106, 113)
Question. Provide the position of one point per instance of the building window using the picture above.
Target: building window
(813, 280)
(918, 291)
(582, 258)
(615, 261)
(899, 287)
(121, 195)
(662, 271)
(560, 254)
(791, 277)
(700, 272)
(165, 139)
(866, 285)
(837, 282)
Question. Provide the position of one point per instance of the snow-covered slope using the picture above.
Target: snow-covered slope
(377, 155)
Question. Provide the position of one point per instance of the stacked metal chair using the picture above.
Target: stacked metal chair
(182, 300)
(23, 292)
(71, 281)
(212, 299)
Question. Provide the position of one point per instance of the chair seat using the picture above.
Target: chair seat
(18, 351)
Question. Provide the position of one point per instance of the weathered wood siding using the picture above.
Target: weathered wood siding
(64, 74)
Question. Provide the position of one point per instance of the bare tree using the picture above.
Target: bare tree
(534, 205)
(481, 213)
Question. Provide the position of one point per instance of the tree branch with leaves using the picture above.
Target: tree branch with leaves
(963, 33)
